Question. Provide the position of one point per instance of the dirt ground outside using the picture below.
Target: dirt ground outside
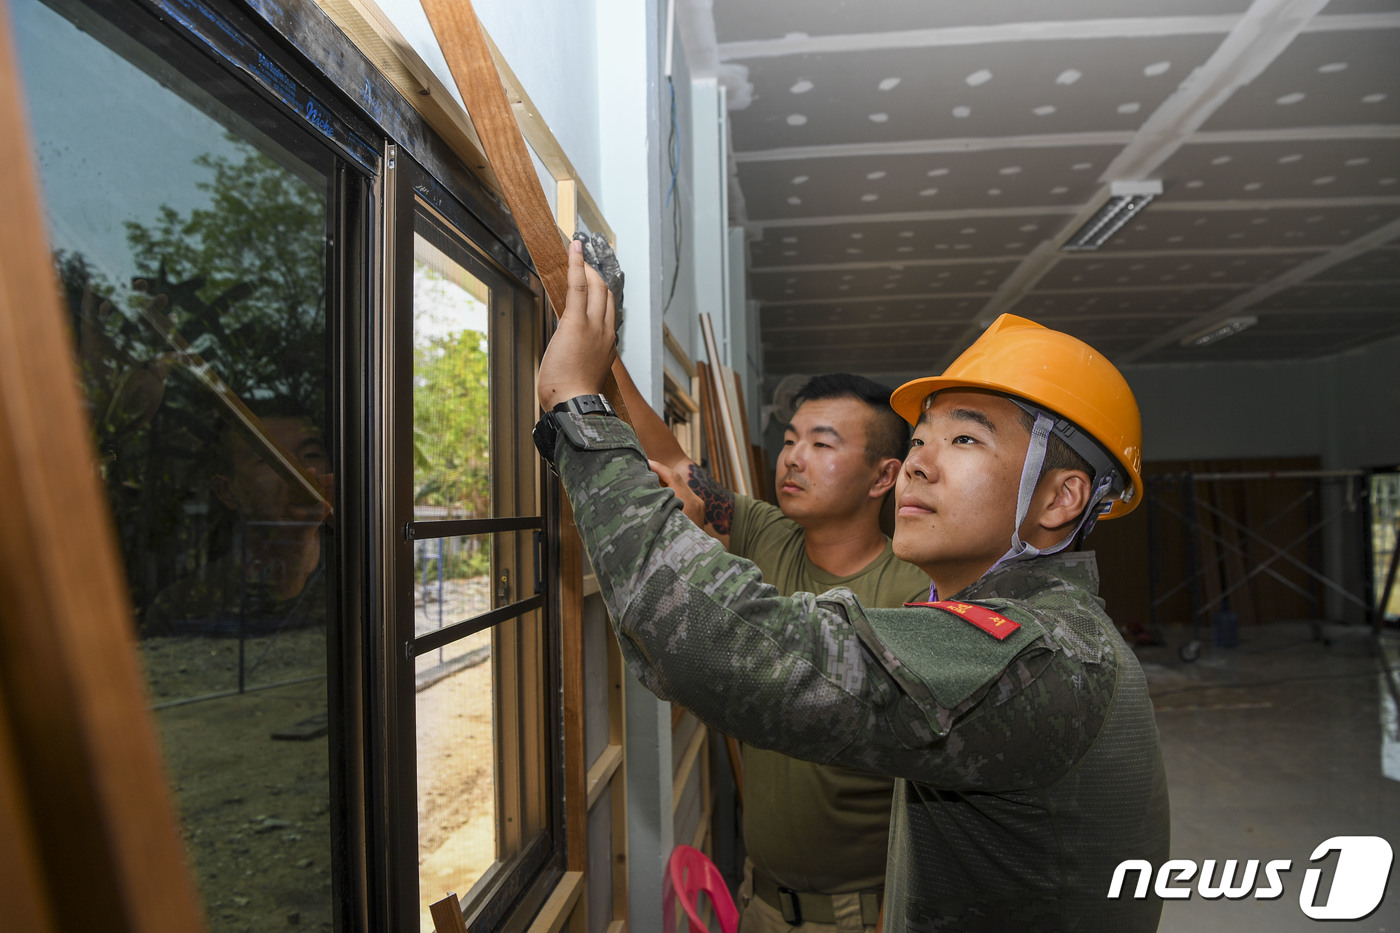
(251, 778)
(255, 811)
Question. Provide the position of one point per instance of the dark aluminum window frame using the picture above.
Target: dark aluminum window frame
(306, 78)
(519, 886)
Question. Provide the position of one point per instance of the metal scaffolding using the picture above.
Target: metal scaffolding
(1257, 553)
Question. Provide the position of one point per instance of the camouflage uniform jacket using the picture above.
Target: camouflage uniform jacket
(1028, 766)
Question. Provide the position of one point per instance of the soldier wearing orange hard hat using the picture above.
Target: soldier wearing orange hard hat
(1081, 412)
(1015, 720)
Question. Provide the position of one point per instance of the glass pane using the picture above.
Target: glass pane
(452, 582)
(451, 385)
(459, 578)
(455, 716)
(191, 252)
(459, 707)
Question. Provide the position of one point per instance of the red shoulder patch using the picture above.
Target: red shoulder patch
(997, 626)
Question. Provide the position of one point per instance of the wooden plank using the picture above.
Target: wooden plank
(677, 389)
(473, 68)
(736, 767)
(22, 889)
(555, 912)
(687, 765)
(575, 767)
(739, 413)
(85, 746)
(727, 430)
(566, 206)
(718, 465)
(707, 801)
(447, 915)
(617, 731)
(602, 772)
(678, 351)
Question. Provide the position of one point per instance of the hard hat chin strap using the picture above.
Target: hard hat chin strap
(1030, 478)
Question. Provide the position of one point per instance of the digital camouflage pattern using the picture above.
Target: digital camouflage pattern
(1028, 768)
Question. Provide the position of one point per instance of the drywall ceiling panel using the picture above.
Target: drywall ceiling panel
(1377, 264)
(1197, 227)
(773, 19)
(852, 316)
(883, 184)
(893, 152)
(875, 360)
(1099, 331)
(1239, 350)
(1340, 295)
(891, 336)
(930, 240)
(1048, 307)
(1321, 79)
(1103, 270)
(1345, 7)
(999, 89)
(1333, 168)
(832, 284)
(1352, 323)
(1287, 336)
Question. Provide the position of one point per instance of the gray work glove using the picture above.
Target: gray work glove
(598, 253)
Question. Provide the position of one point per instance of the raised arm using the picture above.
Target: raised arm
(818, 677)
(680, 473)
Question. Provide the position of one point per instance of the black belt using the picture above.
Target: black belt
(797, 907)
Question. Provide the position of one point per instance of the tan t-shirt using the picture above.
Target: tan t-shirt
(815, 828)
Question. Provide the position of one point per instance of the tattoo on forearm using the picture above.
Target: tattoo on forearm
(719, 502)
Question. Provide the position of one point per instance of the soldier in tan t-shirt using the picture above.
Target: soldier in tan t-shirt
(816, 834)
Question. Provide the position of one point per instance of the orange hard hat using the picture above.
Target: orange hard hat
(1056, 372)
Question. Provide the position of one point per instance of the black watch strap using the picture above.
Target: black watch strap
(585, 405)
(546, 432)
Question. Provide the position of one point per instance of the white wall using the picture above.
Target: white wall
(1364, 415)
(1343, 409)
(1228, 411)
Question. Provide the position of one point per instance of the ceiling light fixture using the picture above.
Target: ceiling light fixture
(1220, 330)
(1125, 200)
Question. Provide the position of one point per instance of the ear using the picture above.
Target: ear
(1064, 494)
(222, 488)
(885, 478)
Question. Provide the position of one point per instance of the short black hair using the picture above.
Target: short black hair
(887, 434)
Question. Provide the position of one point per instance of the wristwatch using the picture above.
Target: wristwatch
(548, 428)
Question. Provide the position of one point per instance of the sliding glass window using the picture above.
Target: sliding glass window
(190, 235)
(480, 651)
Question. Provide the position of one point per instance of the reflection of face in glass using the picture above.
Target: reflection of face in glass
(250, 485)
(281, 522)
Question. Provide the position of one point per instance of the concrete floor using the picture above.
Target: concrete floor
(1271, 748)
